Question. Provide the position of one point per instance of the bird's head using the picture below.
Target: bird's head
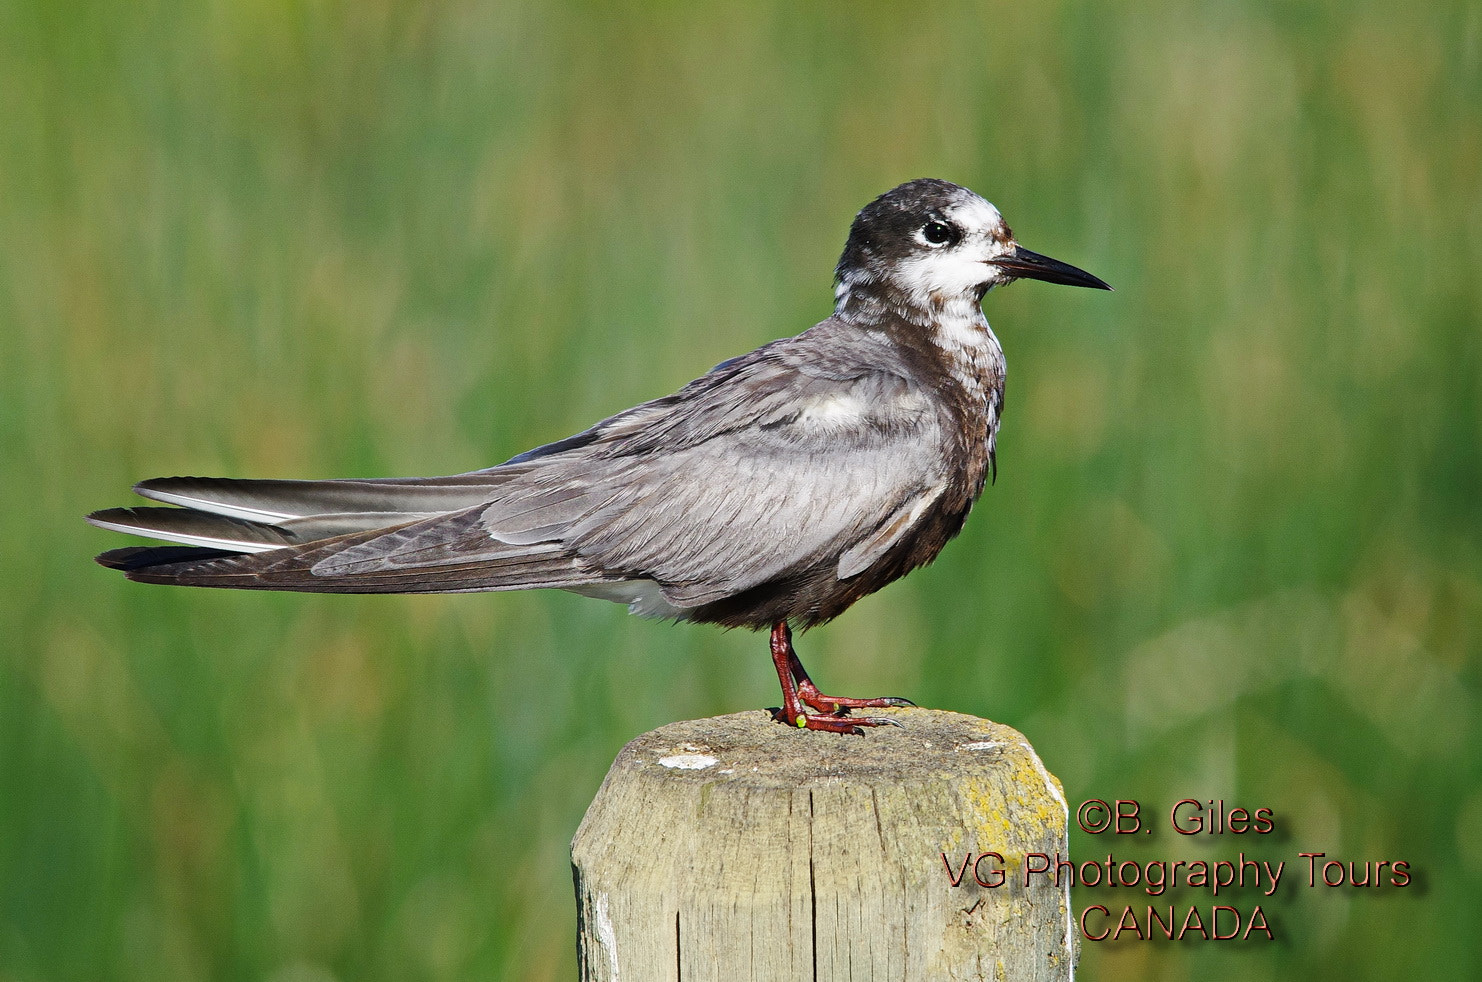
(928, 246)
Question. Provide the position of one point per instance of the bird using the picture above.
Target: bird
(772, 492)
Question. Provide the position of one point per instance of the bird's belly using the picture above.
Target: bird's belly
(642, 597)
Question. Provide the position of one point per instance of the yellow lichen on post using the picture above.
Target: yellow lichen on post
(734, 848)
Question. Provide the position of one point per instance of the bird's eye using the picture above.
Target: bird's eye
(937, 233)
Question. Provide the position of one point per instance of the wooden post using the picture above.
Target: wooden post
(735, 848)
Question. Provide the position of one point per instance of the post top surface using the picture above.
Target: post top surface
(752, 749)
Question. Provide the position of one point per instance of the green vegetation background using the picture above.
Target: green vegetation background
(1233, 550)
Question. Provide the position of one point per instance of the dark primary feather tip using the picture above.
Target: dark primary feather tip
(133, 558)
(119, 558)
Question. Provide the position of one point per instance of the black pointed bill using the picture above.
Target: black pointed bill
(1023, 264)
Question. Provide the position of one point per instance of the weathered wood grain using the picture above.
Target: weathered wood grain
(735, 848)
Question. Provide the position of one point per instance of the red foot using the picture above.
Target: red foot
(835, 724)
(808, 693)
(798, 690)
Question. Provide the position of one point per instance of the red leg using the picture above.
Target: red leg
(798, 690)
(808, 692)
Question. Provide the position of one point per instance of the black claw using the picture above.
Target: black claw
(882, 721)
(899, 701)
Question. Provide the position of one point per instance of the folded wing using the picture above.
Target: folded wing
(773, 462)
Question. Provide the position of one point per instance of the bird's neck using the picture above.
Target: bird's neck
(953, 328)
(862, 298)
(951, 343)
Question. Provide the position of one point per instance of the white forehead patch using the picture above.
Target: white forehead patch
(976, 215)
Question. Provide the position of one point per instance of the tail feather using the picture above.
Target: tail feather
(273, 502)
(293, 569)
(194, 528)
(333, 537)
(421, 535)
(197, 528)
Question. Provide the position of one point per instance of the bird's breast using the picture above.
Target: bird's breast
(972, 369)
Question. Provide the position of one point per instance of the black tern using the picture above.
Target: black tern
(773, 491)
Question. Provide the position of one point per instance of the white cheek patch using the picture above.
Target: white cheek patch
(933, 277)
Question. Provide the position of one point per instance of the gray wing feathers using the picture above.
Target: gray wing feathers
(721, 494)
(770, 463)
(873, 547)
(449, 540)
(741, 526)
(547, 512)
(444, 554)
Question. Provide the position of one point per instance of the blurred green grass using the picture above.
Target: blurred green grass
(1233, 549)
